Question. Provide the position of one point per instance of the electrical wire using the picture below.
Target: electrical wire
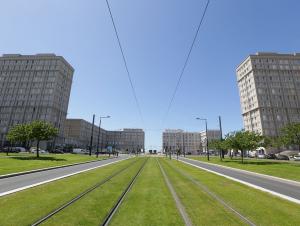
(185, 62)
(125, 63)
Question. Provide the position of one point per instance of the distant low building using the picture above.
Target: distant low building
(78, 134)
(186, 142)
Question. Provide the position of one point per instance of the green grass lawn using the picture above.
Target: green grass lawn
(149, 202)
(260, 207)
(201, 208)
(287, 170)
(24, 207)
(25, 162)
(92, 209)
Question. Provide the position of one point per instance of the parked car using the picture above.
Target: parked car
(297, 157)
(261, 156)
(11, 150)
(57, 151)
(80, 151)
(271, 156)
(41, 151)
(21, 149)
(282, 157)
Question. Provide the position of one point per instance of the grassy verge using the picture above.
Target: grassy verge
(24, 207)
(201, 208)
(149, 202)
(92, 209)
(287, 170)
(260, 207)
(25, 162)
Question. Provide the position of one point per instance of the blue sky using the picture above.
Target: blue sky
(155, 36)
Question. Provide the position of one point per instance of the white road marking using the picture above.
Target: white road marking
(56, 178)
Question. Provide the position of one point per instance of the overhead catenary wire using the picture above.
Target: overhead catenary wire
(125, 62)
(186, 62)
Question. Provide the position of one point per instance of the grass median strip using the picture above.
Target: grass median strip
(202, 208)
(26, 162)
(92, 209)
(259, 207)
(25, 207)
(286, 170)
(149, 202)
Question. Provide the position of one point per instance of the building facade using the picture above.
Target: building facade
(78, 134)
(34, 87)
(212, 134)
(187, 142)
(269, 87)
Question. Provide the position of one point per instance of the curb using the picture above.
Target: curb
(46, 169)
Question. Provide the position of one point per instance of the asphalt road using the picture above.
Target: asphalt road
(283, 187)
(13, 184)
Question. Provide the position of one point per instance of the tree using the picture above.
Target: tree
(18, 133)
(41, 131)
(290, 134)
(219, 145)
(243, 140)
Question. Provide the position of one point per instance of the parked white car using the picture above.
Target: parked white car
(79, 151)
(41, 151)
(297, 157)
(261, 156)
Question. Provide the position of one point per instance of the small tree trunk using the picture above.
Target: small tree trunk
(37, 149)
(242, 152)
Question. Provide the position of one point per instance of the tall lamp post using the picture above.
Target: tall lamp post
(91, 143)
(207, 152)
(101, 117)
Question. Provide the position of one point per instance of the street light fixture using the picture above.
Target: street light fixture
(207, 151)
(101, 117)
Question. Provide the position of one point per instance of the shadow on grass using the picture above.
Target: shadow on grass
(41, 158)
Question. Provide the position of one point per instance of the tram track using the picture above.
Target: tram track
(82, 194)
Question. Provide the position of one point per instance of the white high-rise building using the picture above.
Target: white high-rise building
(34, 87)
(269, 86)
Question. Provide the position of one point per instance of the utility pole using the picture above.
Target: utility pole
(99, 131)
(101, 117)
(206, 140)
(221, 137)
(91, 143)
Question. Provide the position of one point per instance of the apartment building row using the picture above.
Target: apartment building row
(37, 87)
(188, 142)
(78, 133)
(269, 88)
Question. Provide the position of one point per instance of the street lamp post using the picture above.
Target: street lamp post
(101, 117)
(91, 143)
(207, 152)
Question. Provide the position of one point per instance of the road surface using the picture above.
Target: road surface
(18, 183)
(283, 188)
